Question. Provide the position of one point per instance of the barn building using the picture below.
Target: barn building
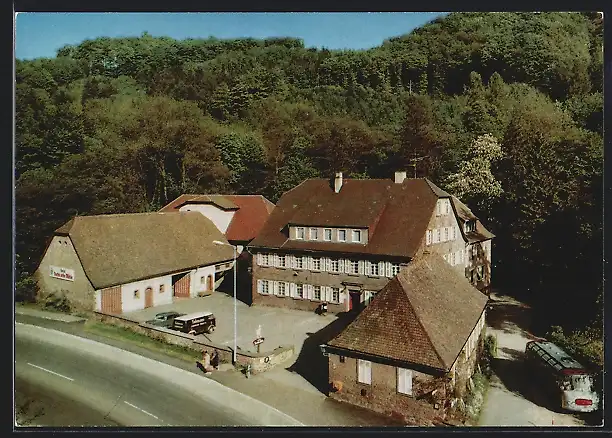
(124, 262)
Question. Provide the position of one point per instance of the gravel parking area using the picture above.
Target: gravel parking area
(278, 326)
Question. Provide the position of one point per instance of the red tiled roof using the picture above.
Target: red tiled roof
(423, 316)
(396, 214)
(465, 214)
(252, 211)
(251, 216)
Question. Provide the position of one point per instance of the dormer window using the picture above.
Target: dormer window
(356, 236)
(314, 234)
(342, 235)
(470, 226)
(327, 234)
(299, 233)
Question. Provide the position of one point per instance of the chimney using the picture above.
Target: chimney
(400, 177)
(338, 182)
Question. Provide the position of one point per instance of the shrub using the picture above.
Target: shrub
(57, 302)
(475, 399)
(489, 352)
(26, 290)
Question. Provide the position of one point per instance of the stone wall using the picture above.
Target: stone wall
(260, 362)
(382, 395)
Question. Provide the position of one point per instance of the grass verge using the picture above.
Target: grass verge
(127, 335)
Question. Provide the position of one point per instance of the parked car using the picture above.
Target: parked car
(164, 319)
(195, 323)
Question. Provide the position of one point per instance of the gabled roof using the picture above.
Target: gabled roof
(122, 248)
(397, 214)
(251, 212)
(465, 214)
(423, 316)
(219, 200)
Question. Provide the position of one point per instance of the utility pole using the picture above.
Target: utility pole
(413, 162)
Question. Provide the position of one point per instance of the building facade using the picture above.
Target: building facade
(402, 354)
(121, 263)
(340, 243)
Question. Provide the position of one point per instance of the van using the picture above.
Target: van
(195, 323)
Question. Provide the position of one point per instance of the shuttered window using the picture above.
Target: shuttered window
(364, 371)
(404, 381)
(428, 238)
(333, 266)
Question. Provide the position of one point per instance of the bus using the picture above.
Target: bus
(563, 376)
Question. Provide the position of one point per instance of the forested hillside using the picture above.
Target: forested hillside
(502, 109)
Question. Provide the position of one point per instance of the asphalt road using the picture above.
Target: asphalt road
(124, 389)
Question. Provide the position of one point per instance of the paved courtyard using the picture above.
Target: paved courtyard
(278, 326)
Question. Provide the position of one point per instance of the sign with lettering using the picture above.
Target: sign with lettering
(61, 273)
(258, 341)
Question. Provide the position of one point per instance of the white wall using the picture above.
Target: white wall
(129, 303)
(196, 279)
(219, 217)
(98, 296)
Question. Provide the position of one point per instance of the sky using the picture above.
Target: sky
(40, 34)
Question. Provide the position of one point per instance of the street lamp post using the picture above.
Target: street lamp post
(218, 242)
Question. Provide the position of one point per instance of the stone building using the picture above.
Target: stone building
(414, 347)
(124, 262)
(340, 242)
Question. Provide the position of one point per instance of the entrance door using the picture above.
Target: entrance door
(148, 297)
(180, 285)
(355, 301)
(211, 285)
(111, 300)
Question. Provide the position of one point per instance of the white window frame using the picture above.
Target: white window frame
(299, 290)
(375, 269)
(354, 267)
(335, 294)
(452, 258)
(454, 233)
(314, 293)
(364, 371)
(439, 208)
(282, 264)
(282, 285)
(436, 237)
(356, 233)
(316, 263)
(334, 265)
(395, 269)
(264, 287)
(313, 233)
(404, 381)
(300, 233)
(265, 259)
(299, 260)
(428, 237)
(446, 233)
(327, 231)
(339, 232)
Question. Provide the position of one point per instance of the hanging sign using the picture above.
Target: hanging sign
(61, 273)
